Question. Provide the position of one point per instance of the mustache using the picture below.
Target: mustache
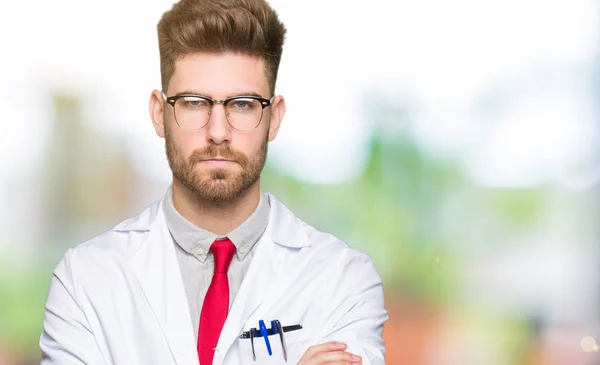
(213, 151)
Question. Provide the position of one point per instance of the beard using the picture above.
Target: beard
(216, 186)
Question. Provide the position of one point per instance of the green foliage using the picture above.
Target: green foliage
(387, 211)
(407, 210)
(22, 295)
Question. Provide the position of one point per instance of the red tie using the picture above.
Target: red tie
(216, 303)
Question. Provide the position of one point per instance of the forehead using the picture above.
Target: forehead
(219, 75)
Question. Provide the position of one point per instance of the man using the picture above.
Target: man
(216, 272)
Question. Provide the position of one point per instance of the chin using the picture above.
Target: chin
(220, 194)
(218, 187)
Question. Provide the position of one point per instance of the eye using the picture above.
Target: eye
(194, 102)
(243, 104)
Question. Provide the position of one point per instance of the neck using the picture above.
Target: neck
(219, 218)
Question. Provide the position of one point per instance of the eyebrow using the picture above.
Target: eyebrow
(193, 92)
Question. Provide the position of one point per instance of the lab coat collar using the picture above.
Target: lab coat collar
(142, 221)
(286, 227)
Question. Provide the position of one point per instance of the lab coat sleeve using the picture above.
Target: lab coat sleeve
(66, 337)
(356, 312)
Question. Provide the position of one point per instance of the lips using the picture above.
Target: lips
(217, 159)
(218, 156)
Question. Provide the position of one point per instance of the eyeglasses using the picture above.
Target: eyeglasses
(192, 112)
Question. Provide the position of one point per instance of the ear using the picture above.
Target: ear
(277, 113)
(157, 106)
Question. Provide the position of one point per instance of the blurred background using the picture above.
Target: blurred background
(456, 142)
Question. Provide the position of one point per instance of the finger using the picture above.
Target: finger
(334, 357)
(324, 347)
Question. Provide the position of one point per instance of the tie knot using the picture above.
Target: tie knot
(223, 251)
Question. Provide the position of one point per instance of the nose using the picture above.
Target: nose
(218, 129)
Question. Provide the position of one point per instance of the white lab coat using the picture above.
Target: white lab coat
(119, 298)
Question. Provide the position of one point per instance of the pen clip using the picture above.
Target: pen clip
(252, 343)
(278, 329)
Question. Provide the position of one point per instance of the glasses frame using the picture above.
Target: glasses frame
(172, 100)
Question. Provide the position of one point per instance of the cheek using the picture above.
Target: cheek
(185, 142)
(251, 145)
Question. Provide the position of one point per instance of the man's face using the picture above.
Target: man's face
(218, 163)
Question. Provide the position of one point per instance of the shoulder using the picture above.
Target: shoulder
(320, 247)
(340, 255)
(110, 247)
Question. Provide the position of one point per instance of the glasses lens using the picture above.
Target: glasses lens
(244, 113)
(192, 112)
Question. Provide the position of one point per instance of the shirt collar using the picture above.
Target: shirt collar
(197, 241)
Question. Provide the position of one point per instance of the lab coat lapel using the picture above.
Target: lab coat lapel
(157, 270)
(268, 273)
(257, 283)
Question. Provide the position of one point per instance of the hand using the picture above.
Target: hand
(332, 353)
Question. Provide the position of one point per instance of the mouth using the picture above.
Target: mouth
(216, 161)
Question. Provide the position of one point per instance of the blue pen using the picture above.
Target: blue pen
(265, 334)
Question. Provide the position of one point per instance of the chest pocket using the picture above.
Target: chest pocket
(296, 343)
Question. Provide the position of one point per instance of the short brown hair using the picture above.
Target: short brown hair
(248, 27)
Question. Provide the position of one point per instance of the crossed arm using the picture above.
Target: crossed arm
(353, 331)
